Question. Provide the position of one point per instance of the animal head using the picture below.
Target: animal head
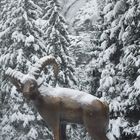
(30, 89)
(28, 84)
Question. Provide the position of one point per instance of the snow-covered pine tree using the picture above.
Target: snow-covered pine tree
(57, 41)
(21, 45)
(41, 3)
(118, 64)
(101, 4)
(130, 67)
(1, 5)
(58, 44)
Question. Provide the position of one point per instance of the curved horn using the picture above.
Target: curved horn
(44, 61)
(15, 77)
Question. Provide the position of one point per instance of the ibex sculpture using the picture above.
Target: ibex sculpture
(60, 105)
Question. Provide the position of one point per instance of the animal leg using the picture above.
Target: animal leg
(101, 136)
(95, 124)
(63, 132)
(54, 123)
(56, 131)
(95, 131)
(97, 135)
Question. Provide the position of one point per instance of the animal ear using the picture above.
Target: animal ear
(15, 78)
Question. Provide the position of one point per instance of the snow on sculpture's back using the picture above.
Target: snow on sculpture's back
(61, 105)
(75, 95)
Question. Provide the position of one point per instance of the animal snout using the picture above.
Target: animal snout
(26, 94)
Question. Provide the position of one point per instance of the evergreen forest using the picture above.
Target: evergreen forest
(97, 45)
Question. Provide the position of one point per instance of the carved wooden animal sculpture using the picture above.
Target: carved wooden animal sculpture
(60, 105)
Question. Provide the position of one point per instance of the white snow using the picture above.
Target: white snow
(104, 45)
(36, 47)
(25, 16)
(20, 56)
(45, 58)
(109, 16)
(75, 95)
(39, 10)
(106, 82)
(104, 36)
(29, 40)
(4, 32)
(19, 116)
(27, 77)
(107, 8)
(40, 22)
(116, 127)
(119, 7)
(7, 129)
(129, 15)
(137, 83)
(33, 133)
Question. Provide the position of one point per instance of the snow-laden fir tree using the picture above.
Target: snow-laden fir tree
(57, 42)
(118, 64)
(21, 45)
(42, 4)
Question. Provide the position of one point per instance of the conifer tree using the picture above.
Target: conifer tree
(118, 64)
(57, 41)
(21, 45)
(58, 44)
(42, 4)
